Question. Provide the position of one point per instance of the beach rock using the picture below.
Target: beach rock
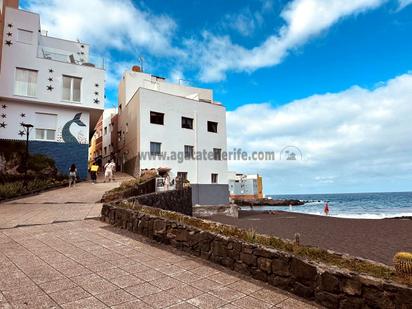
(267, 202)
(352, 303)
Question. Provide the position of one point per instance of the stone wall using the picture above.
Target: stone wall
(328, 286)
(174, 200)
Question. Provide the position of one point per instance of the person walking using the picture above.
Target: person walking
(326, 208)
(94, 168)
(109, 168)
(72, 175)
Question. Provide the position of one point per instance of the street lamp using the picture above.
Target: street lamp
(27, 127)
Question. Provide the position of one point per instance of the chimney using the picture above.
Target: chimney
(136, 68)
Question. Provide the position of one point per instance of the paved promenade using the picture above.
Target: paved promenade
(90, 264)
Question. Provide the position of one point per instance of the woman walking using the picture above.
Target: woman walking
(72, 175)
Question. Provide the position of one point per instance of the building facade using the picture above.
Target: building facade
(173, 126)
(245, 186)
(49, 83)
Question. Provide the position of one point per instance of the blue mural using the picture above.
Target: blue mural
(67, 136)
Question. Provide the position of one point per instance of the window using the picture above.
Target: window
(217, 154)
(214, 178)
(189, 152)
(155, 148)
(105, 150)
(187, 123)
(26, 82)
(25, 36)
(46, 126)
(71, 88)
(156, 118)
(105, 130)
(182, 175)
(212, 126)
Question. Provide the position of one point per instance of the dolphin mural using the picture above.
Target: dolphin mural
(67, 136)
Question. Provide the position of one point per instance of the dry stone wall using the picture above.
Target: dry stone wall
(330, 287)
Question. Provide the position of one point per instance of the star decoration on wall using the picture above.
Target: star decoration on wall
(22, 124)
(96, 85)
(3, 124)
(50, 87)
(10, 25)
(9, 43)
(50, 79)
(82, 46)
(97, 101)
(51, 71)
(3, 116)
(9, 34)
(22, 115)
(96, 93)
(21, 133)
(4, 106)
(81, 53)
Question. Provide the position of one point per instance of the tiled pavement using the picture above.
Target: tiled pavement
(64, 204)
(89, 264)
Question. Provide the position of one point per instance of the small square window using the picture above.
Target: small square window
(187, 123)
(155, 148)
(212, 126)
(217, 154)
(189, 152)
(156, 118)
(105, 130)
(25, 82)
(214, 178)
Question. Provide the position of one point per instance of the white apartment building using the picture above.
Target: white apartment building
(245, 186)
(107, 128)
(174, 126)
(48, 82)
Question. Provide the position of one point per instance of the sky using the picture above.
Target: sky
(331, 78)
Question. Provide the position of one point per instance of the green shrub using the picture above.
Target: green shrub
(16, 188)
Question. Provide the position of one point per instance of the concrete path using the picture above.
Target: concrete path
(65, 204)
(89, 264)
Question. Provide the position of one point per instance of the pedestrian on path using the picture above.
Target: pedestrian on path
(109, 169)
(93, 172)
(72, 175)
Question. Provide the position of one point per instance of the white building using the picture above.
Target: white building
(245, 186)
(107, 128)
(175, 126)
(49, 83)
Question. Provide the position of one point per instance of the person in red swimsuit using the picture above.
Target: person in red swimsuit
(326, 208)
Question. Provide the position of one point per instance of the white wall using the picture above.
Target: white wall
(107, 134)
(13, 119)
(173, 137)
(134, 80)
(24, 55)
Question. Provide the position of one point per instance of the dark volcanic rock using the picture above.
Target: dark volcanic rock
(267, 202)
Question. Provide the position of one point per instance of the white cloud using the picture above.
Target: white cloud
(404, 3)
(353, 140)
(107, 24)
(304, 19)
(244, 22)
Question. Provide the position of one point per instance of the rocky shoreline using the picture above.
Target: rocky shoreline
(267, 202)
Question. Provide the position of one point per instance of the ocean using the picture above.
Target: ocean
(352, 205)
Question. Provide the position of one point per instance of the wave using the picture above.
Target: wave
(362, 216)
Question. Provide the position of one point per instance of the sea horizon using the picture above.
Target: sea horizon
(370, 205)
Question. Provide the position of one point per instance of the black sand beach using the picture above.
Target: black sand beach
(376, 240)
